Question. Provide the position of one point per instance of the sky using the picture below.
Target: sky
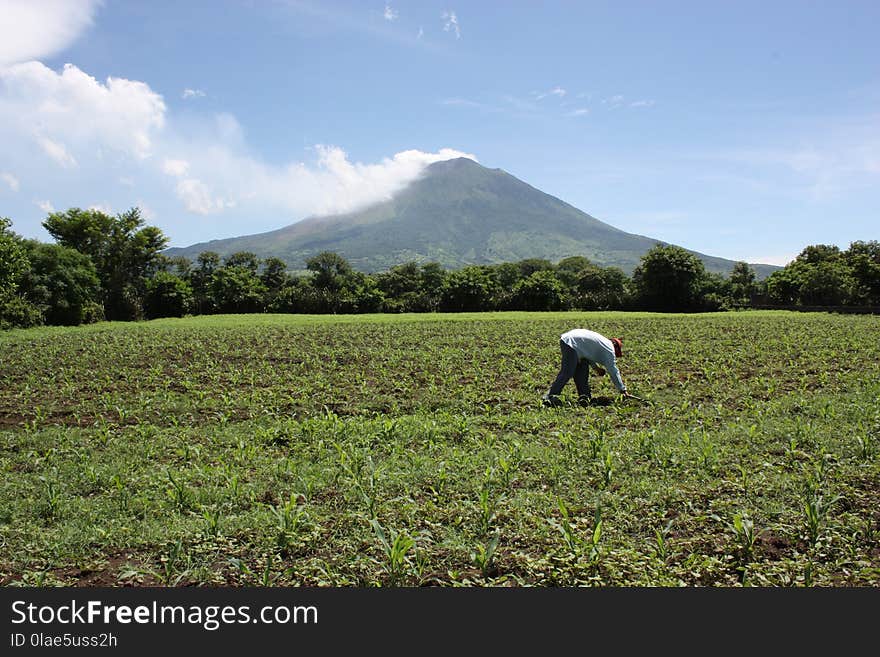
(745, 130)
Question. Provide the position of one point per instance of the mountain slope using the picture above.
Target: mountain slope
(457, 213)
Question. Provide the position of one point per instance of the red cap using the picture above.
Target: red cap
(618, 347)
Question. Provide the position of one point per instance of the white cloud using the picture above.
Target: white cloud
(148, 214)
(559, 92)
(198, 198)
(464, 102)
(359, 182)
(389, 13)
(421, 33)
(120, 130)
(583, 111)
(613, 101)
(192, 93)
(780, 260)
(31, 29)
(175, 167)
(69, 113)
(642, 103)
(57, 152)
(450, 23)
(333, 184)
(106, 208)
(45, 206)
(10, 180)
(836, 158)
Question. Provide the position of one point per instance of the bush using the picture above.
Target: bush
(15, 312)
(167, 296)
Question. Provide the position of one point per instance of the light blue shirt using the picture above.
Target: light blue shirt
(597, 349)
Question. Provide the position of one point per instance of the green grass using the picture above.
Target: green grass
(413, 450)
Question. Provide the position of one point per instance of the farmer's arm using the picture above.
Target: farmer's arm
(611, 366)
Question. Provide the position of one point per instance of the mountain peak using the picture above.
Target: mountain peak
(455, 164)
(457, 213)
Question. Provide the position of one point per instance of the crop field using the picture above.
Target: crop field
(412, 450)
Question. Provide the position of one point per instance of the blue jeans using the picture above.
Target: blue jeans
(572, 367)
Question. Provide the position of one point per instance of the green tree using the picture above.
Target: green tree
(468, 289)
(821, 275)
(817, 253)
(275, 279)
(168, 295)
(180, 266)
(359, 294)
(506, 274)
(63, 284)
(569, 269)
(742, 282)
(539, 291)
(13, 261)
(668, 279)
(200, 278)
(713, 292)
(601, 288)
(245, 259)
(401, 287)
(274, 273)
(826, 283)
(14, 310)
(863, 259)
(432, 281)
(529, 266)
(783, 285)
(330, 271)
(237, 289)
(124, 251)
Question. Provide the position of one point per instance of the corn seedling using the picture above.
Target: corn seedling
(122, 493)
(240, 566)
(708, 453)
(816, 507)
(744, 533)
(178, 493)
(487, 505)
(287, 517)
(647, 446)
(395, 549)
(661, 543)
(578, 546)
(484, 555)
(504, 470)
(867, 444)
(743, 477)
(266, 578)
(365, 485)
(568, 533)
(212, 520)
(606, 463)
(53, 498)
(594, 551)
(175, 557)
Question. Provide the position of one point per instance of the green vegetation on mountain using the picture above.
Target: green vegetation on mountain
(458, 213)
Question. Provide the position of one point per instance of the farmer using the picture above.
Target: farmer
(582, 350)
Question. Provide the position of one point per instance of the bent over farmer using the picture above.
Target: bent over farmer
(583, 349)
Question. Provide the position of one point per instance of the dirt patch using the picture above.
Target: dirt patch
(107, 574)
(773, 547)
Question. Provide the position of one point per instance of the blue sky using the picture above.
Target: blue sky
(745, 130)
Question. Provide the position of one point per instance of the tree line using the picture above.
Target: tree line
(104, 267)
